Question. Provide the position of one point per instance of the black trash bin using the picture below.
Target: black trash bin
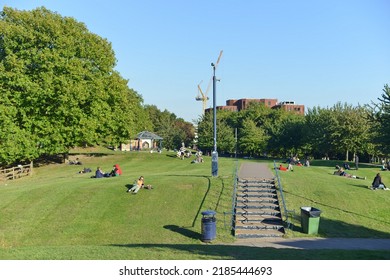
(310, 219)
(209, 229)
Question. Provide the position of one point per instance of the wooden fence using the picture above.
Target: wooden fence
(16, 172)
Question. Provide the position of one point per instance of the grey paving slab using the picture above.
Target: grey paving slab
(255, 170)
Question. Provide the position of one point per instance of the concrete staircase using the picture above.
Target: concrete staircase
(257, 211)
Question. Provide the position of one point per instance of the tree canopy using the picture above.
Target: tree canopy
(175, 131)
(58, 87)
(332, 132)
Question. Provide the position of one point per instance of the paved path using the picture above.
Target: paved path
(317, 243)
(261, 171)
(255, 170)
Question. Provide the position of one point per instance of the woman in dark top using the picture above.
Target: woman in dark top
(377, 183)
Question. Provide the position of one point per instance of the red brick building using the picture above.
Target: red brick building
(242, 104)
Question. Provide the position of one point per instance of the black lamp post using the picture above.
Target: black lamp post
(214, 155)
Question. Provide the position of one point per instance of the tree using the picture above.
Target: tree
(58, 80)
(253, 139)
(289, 138)
(175, 131)
(350, 129)
(340, 129)
(225, 133)
(383, 117)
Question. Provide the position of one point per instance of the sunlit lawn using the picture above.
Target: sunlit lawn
(60, 214)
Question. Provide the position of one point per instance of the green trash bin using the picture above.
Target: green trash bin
(310, 219)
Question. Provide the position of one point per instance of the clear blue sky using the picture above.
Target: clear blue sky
(315, 53)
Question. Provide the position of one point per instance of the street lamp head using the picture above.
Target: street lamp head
(212, 64)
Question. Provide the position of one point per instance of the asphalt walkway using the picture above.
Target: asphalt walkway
(255, 170)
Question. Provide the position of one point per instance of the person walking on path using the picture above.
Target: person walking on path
(356, 162)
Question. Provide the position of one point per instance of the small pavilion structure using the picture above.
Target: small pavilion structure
(144, 140)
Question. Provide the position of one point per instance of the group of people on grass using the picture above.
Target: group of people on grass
(341, 172)
(293, 161)
(377, 183)
(117, 171)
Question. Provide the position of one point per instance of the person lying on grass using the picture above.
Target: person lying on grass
(139, 184)
(341, 172)
(282, 168)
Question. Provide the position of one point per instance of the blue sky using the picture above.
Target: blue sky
(315, 53)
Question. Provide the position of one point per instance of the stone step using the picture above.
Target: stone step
(256, 184)
(256, 202)
(258, 233)
(256, 195)
(255, 181)
(263, 222)
(258, 207)
(255, 218)
(258, 212)
(255, 190)
(257, 187)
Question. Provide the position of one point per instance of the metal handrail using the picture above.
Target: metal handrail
(234, 198)
(287, 212)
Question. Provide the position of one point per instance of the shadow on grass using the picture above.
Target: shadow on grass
(184, 231)
(171, 155)
(210, 251)
(340, 209)
(365, 186)
(333, 163)
(337, 229)
(91, 154)
(205, 195)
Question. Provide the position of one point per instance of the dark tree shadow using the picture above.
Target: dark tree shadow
(184, 231)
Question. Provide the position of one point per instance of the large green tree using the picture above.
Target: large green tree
(350, 130)
(225, 133)
(174, 131)
(384, 120)
(340, 129)
(58, 87)
(253, 139)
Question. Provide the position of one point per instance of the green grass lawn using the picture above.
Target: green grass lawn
(349, 208)
(60, 214)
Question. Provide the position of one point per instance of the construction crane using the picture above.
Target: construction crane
(202, 96)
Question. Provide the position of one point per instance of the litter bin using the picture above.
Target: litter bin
(310, 219)
(208, 226)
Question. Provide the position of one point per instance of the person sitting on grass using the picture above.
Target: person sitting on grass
(378, 184)
(98, 173)
(116, 171)
(341, 172)
(139, 184)
(346, 166)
